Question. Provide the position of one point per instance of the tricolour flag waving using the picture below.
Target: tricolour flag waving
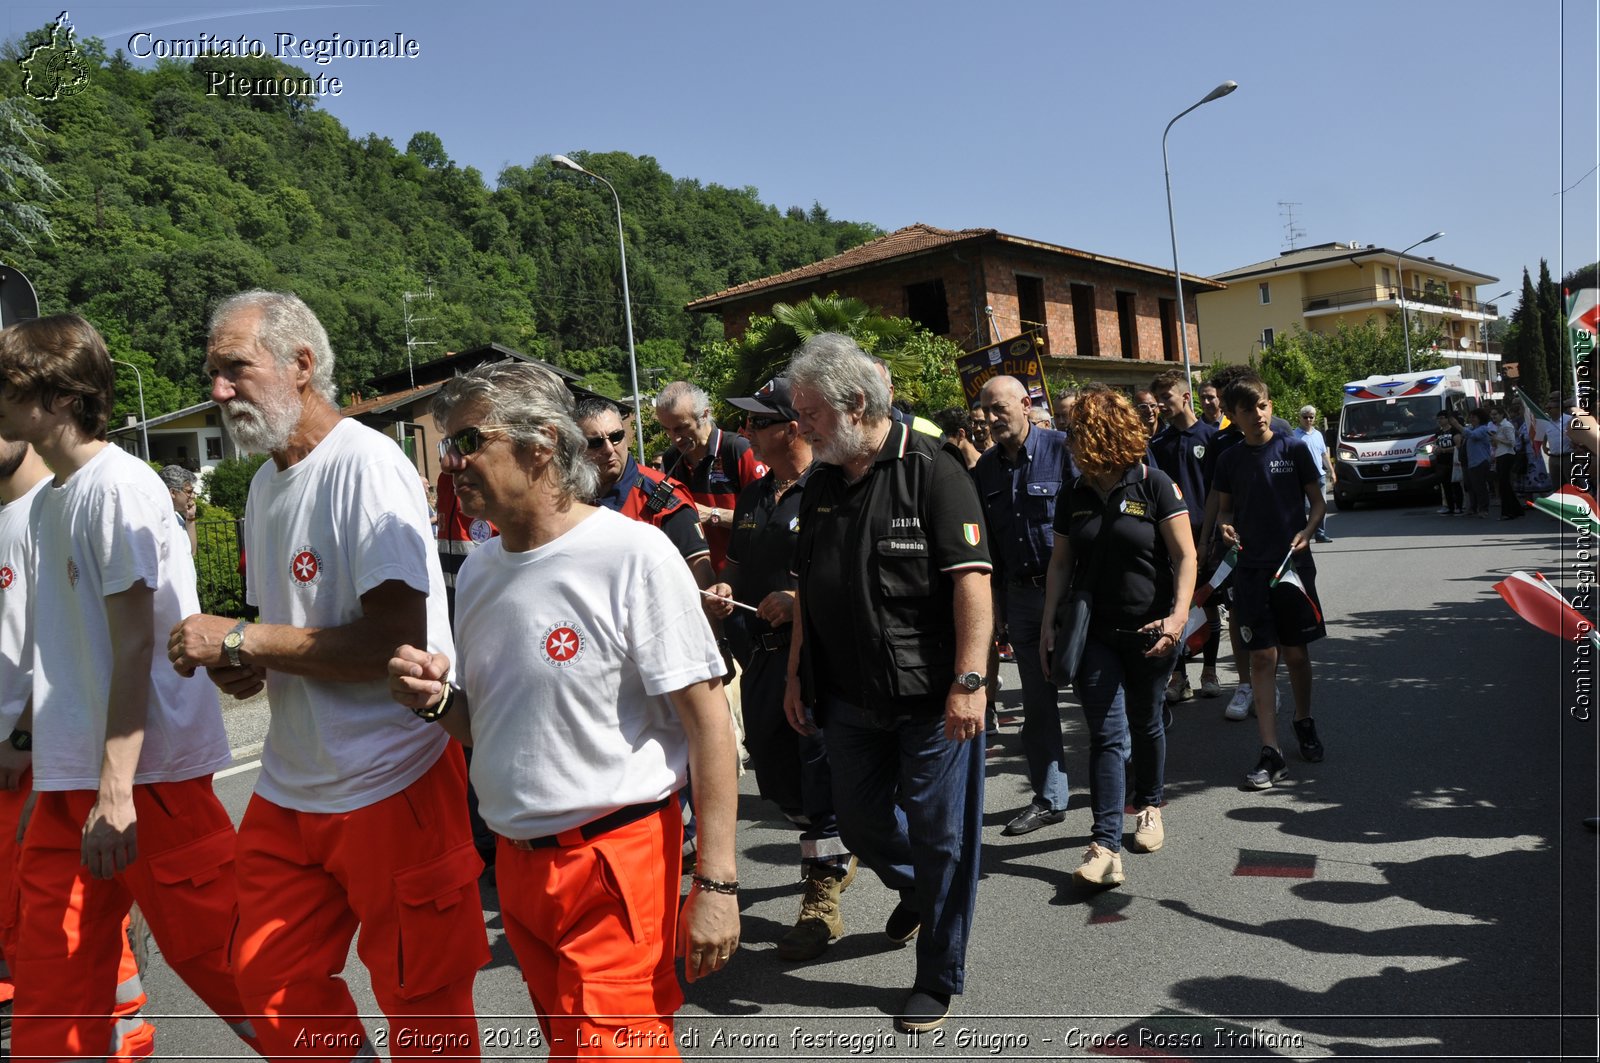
(1572, 505)
(1583, 310)
(1543, 426)
(1197, 629)
(1532, 598)
(1287, 574)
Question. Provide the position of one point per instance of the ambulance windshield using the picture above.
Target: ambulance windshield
(1390, 418)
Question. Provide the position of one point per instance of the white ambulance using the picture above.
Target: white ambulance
(1387, 430)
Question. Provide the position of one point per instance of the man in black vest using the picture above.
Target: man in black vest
(894, 628)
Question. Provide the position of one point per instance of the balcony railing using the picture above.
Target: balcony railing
(1391, 294)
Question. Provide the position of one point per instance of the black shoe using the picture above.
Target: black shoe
(903, 923)
(1310, 745)
(1032, 818)
(1322, 537)
(924, 1010)
(1269, 769)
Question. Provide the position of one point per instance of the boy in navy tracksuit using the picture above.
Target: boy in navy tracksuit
(1264, 486)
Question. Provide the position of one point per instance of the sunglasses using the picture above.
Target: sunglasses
(469, 441)
(613, 438)
(763, 422)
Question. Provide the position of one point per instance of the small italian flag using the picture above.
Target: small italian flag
(1536, 601)
(1573, 506)
(1197, 630)
(1583, 310)
(1287, 574)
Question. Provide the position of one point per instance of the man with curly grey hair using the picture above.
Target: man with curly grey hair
(892, 635)
(359, 819)
(180, 486)
(589, 685)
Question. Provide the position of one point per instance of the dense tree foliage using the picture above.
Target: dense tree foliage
(172, 198)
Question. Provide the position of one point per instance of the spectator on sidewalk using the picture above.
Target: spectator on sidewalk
(1449, 460)
(1503, 440)
(1479, 448)
(1308, 433)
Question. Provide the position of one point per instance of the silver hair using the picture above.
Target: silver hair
(537, 406)
(1308, 408)
(286, 325)
(832, 365)
(176, 477)
(681, 391)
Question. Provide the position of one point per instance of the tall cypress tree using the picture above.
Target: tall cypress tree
(1530, 353)
(1553, 312)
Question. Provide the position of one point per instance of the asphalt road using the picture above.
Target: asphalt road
(1428, 890)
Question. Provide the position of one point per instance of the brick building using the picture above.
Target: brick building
(1105, 318)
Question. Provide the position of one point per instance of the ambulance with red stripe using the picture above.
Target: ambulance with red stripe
(1388, 428)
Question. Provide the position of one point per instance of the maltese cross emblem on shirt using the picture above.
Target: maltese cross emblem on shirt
(305, 565)
(562, 645)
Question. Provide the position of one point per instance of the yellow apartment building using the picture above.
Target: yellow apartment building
(1322, 287)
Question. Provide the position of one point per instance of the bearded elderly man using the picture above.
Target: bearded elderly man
(894, 626)
(360, 814)
(589, 683)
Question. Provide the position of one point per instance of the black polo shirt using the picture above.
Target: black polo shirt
(765, 528)
(1132, 579)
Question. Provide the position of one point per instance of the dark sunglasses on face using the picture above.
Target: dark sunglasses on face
(762, 422)
(469, 441)
(613, 438)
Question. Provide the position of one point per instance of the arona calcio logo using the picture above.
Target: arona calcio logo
(305, 566)
(563, 644)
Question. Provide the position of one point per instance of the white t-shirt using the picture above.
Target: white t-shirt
(318, 535)
(16, 630)
(109, 527)
(566, 654)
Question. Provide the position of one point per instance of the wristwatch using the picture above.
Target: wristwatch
(22, 741)
(233, 642)
(970, 681)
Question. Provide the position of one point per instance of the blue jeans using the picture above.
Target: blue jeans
(1121, 690)
(910, 805)
(1042, 746)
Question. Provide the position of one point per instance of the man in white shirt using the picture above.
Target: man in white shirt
(589, 685)
(359, 818)
(1309, 434)
(123, 750)
(1558, 444)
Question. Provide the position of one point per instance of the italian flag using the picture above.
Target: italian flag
(1573, 506)
(1583, 310)
(1196, 630)
(1532, 598)
(1287, 574)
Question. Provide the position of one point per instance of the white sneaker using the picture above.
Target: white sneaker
(1239, 707)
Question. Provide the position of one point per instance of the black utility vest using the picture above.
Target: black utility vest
(898, 607)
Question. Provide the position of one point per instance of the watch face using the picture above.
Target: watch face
(971, 680)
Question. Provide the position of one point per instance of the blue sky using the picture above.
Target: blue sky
(1382, 121)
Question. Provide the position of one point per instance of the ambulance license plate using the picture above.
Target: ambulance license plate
(1388, 487)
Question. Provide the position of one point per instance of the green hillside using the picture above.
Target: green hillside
(171, 198)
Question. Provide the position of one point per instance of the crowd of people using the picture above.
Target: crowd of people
(532, 672)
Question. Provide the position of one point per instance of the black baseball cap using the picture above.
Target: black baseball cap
(772, 399)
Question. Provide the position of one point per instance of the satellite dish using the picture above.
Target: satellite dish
(17, 299)
(1465, 343)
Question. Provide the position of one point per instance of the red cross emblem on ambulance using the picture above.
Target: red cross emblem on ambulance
(562, 644)
(305, 565)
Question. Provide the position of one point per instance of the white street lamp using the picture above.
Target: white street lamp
(1400, 279)
(1177, 277)
(144, 423)
(627, 303)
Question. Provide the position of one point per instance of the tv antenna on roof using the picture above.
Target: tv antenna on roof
(1291, 231)
(411, 343)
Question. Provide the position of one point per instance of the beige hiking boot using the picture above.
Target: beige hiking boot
(820, 921)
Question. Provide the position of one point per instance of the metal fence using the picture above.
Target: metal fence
(219, 567)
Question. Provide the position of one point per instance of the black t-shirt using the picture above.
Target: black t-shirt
(953, 541)
(1132, 578)
(1227, 438)
(1267, 489)
(761, 545)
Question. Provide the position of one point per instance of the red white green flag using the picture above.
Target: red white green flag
(1583, 310)
(1287, 574)
(1197, 629)
(1532, 598)
(1572, 505)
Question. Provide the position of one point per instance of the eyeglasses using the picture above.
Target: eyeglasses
(763, 422)
(613, 438)
(1308, 417)
(469, 441)
(1148, 407)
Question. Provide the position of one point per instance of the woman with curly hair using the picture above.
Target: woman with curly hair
(1122, 533)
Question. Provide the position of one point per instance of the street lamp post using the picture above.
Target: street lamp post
(1177, 277)
(1400, 280)
(1485, 330)
(144, 423)
(627, 302)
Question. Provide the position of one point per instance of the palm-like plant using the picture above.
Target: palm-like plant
(768, 343)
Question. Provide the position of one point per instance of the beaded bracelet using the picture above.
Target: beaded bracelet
(711, 885)
(438, 710)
